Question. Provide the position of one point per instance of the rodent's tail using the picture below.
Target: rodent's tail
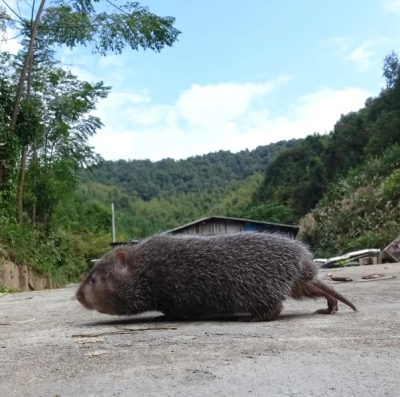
(329, 290)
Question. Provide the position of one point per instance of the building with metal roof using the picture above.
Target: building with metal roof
(224, 224)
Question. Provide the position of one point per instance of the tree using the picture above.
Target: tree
(384, 111)
(52, 131)
(77, 22)
(61, 147)
(391, 70)
(3, 24)
(10, 143)
(84, 22)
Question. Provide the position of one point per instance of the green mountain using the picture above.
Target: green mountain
(153, 196)
(146, 179)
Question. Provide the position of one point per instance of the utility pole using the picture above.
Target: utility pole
(113, 222)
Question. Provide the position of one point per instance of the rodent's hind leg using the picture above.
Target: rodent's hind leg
(332, 302)
(271, 315)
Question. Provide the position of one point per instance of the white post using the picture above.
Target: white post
(113, 222)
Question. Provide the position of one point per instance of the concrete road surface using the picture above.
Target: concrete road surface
(50, 346)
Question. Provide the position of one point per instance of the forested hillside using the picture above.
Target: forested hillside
(153, 196)
(136, 218)
(150, 197)
(147, 179)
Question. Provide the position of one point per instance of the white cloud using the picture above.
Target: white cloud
(115, 100)
(215, 104)
(227, 116)
(341, 43)
(322, 109)
(362, 56)
(77, 65)
(392, 6)
(10, 43)
(23, 10)
(111, 60)
(151, 116)
(83, 74)
(82, 65)
(111, 69)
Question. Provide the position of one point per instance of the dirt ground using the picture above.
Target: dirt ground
(45, 350)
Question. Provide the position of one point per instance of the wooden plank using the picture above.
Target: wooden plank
(393, 249)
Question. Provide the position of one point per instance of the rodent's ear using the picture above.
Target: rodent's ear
(121, 260)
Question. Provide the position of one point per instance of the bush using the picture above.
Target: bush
(360, 211)
(62, 254)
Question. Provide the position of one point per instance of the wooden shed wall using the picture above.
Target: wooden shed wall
(214, 227)
(222, 226)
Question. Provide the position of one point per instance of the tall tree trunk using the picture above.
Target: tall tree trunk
(20, 90)
(2, 151)
(34, 156)
(34, 159)
(21, 185)
(25, 67)
(21, 182)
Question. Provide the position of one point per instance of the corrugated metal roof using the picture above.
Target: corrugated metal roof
(293, 227)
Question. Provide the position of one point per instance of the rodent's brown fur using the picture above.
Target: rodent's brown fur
(189, 276)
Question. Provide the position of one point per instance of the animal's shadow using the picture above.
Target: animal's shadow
(160, 319)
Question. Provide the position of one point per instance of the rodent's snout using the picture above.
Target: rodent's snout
(79, 297)
(82, 297)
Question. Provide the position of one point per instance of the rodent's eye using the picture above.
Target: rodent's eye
(92, 280)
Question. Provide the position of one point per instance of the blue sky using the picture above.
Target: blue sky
(242, 74)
